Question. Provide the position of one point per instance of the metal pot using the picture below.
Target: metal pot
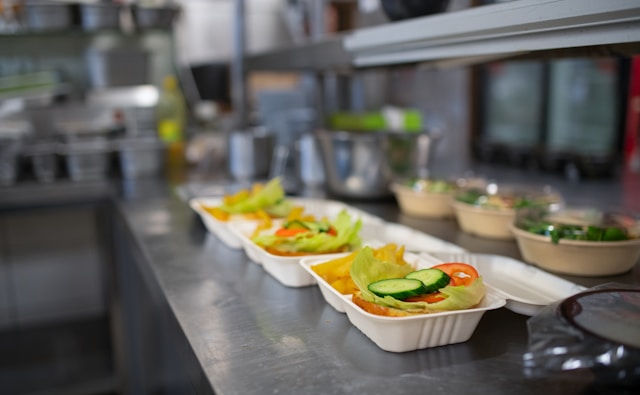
(364, 164)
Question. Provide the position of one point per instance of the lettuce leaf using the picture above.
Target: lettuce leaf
(347, 234)
(281, 209)
(366, 269)
(271, 195)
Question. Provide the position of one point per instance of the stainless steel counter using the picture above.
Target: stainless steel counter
(239, 331)
(251, 335)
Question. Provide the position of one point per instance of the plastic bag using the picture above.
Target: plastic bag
(597, 329)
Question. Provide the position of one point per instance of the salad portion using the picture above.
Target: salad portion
(336, 272)
(431, 185)
(261, 200)
(579, 224)
(305, 235)
(506, 198)
(397, 289)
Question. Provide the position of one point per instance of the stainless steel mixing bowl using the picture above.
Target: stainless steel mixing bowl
(363, 164)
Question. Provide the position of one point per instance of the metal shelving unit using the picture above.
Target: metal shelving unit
(471, 36)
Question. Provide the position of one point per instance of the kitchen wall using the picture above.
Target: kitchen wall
(204, 32)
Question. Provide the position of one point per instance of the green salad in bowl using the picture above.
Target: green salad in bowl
(578, 241)
(579, 224)
(488, 212)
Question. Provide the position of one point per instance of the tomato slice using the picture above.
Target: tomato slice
(460, 273)
(284, 232)
(434, 297)
(332, 231)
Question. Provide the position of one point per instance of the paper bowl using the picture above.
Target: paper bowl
(423, 204)
(577, 257)
(401, 334)
(219, 228)
(492, 224)
(494, 208)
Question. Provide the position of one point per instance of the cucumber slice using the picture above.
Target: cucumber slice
(399, 288)
(309, 225)
(433, 279)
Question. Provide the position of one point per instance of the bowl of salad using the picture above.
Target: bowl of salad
(429, 197)
(425, 198)
(578, 241)
(488, 211)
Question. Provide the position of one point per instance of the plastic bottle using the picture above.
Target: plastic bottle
(171, 122)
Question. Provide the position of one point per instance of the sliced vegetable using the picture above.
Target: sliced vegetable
(433, 279)
(399, 288)
(271, 196)
(346, 237)
(460, 273)
(284, 232)
(337, 271)
(434, 297)
(366, 268)
(316, 226)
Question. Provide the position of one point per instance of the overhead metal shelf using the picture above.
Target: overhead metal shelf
(474, 35)
(324, 54)
(504, 29)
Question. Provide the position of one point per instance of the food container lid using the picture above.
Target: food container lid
(446, 185)
(574, 223)
(428, 185)
(526, 288)
(509, 196)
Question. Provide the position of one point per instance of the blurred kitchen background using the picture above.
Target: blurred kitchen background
(94, 91)
(85, 78)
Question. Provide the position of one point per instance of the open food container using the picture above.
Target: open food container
(505, 275)
(318, 207)
(489, 211)
(286, 269)
(517, 286)
(578, 241)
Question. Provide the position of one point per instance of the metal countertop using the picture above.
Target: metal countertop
(252, 335)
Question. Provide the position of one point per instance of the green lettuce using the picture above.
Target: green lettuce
(347, 234)
(271, 198)
(366, 268)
